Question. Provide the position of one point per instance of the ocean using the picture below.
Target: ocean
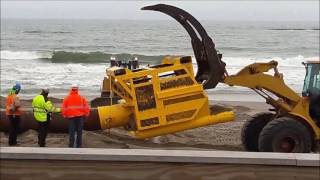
(57, 53)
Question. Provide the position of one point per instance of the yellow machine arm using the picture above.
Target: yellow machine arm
(254, 76)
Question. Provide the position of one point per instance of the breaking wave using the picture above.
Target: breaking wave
(76, 57)
(101, 57)
(294, 29)
(46, 32)
(284, 62)
(24, 55)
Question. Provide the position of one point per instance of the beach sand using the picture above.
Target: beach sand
(225, 136)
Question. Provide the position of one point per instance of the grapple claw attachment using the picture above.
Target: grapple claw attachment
(211, 68)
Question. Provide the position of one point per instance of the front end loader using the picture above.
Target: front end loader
(290, 126)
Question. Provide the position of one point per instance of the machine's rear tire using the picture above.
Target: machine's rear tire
(252, 128)
(285, 134)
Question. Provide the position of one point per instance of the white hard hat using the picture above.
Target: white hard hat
(46, 90)
(75, 86)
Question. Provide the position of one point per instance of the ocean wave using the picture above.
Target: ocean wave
(77, 57)
(46, 32)
(294, 29)
(99, 57)
(24, 55)
(282, 61)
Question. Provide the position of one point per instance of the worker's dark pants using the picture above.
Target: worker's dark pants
(75, 127)
(42, 132)
(14, 129)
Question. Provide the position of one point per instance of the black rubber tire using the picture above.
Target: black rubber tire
(285, 134)
(252, 128)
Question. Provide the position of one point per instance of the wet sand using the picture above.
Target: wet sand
(225, 136)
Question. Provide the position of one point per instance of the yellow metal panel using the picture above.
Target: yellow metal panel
(182, 90)
(205, 121)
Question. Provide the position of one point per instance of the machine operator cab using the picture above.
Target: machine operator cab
(311, 88)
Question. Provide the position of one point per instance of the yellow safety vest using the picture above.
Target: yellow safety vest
(41, 108)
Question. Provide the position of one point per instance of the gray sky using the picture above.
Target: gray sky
(204, 10)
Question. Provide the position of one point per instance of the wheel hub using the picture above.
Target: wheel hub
(287, 144)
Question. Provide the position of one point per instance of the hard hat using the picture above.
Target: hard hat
(45, 90)
(17, 86)
(75, 86)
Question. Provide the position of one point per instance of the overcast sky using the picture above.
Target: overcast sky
(205, 10)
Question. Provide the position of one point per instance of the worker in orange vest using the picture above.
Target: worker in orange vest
(13, 113)
(75, 108)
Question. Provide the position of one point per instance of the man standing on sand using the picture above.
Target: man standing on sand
(75, 108)
(42, 111)
(13, 113)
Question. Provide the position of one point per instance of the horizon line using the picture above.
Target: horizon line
(225, 20)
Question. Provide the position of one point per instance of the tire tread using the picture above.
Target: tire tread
(276, 125)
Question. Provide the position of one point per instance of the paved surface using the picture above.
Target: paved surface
(108, 170)
(163, 156)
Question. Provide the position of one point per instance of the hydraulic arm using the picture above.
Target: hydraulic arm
(253, 76)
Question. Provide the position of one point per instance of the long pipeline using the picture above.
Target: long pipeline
(58, 123)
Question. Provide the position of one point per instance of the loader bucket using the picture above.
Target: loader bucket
(211, 68)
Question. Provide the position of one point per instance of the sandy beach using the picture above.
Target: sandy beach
(225, 136)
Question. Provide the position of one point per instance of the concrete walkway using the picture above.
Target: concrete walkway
(164, 156)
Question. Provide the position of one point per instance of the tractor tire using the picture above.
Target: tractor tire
(252, 128)
(285, 134)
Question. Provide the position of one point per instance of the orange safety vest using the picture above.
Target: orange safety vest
(74, 105)
(10, 105)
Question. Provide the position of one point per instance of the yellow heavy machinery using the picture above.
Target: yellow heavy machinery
(168, 98)
(294, 123)
(158, 100)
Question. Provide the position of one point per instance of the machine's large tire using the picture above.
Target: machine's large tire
(252, 128)
(285, 134)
